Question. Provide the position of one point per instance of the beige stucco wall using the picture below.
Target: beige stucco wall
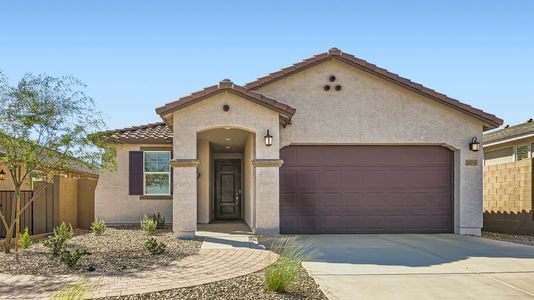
(203, 213)
(370, 110)
(7, 184)
(248, 172)
(112, 202)
(208, 114)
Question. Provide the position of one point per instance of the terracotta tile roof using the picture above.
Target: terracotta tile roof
(491, 120)
(154, 133)
(510, 132)
(227, 86)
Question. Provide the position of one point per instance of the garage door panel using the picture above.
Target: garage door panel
(367, 189)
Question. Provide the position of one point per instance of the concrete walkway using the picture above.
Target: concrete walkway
(224, 257)
(418, 266)
(227, 235)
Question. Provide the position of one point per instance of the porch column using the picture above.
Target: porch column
(267, 189)
(184, 198)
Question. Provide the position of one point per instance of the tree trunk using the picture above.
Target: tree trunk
(7, 240)
(17, 220)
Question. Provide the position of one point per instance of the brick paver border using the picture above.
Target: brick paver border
(209, 265)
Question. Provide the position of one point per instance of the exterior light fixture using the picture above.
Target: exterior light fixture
(474, 145)
(268, 139)
(2, 175)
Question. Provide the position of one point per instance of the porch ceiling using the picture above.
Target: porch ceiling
(222, 138)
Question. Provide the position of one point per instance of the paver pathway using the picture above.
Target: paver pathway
(208, 266)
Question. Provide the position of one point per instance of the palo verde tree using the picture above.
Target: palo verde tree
(47, 125)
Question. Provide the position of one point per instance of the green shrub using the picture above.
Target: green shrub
(154, 247)
(98, 226)
(285, 271)
(76, 291)
(149, 225)
(57, 240)
(280, 275)
(159, 219)
(25, 240)
(71, 257)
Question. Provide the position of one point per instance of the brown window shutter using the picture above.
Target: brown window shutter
(136, 173)
(171, 176)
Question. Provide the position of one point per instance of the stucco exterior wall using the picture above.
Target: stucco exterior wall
(203, 213)
(370, 110)
(248, 170)
(208, 114)
(112, 202)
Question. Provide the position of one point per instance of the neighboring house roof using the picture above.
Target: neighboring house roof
(154, 133)
(510, 133)
(227, 86)
(74, 166)
(491, 121)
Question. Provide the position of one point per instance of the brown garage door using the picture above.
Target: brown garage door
(366, 189)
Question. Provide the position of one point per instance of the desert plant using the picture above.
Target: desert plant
(154, 247)
(98, 226)
(149, 225)
(282, 274)
(159, 219)
(76, 291)
(56, 241)
(25, 240)
(70, 257)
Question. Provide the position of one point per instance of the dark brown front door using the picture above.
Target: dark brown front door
(366, 189)
(227, 189)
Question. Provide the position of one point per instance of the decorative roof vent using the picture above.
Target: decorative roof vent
(226, 83)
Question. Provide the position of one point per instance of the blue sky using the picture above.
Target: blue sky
(137, 55)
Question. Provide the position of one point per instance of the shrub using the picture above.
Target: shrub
(56, 241)
(284, 272)
(159, 219)
(98, 226)
(154, 247)
(25, 240)
(280, 275)
(71, 257)
(149, 225)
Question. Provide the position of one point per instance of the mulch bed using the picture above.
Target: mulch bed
(246, 287)
(116, 249)
(508, 237)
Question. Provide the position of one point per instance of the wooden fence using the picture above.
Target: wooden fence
(64, 199)
(6, 206)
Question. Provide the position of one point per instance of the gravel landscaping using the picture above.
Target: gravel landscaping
(507, 237)
(245, 287)
(116, 249)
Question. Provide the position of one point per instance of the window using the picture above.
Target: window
(521, 152)
(157, 173)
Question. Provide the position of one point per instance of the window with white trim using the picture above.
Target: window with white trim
(521, 152)
(156, 173)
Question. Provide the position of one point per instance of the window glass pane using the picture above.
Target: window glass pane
(157, 161)
(522, 152)
(157, 184)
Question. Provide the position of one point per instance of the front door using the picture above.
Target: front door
(227, 189)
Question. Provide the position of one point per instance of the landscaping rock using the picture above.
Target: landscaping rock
(507, 237)
(116, 249)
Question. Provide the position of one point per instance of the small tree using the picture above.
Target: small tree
(47, 125)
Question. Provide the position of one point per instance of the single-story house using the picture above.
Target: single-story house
(508, 179)
(332, 144)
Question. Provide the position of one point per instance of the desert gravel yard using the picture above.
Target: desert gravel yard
(118, 248)
(245, 287)
(507, 237)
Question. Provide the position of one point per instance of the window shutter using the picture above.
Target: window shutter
(136, 173)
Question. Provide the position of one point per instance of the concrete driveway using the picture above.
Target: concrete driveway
(420, 266)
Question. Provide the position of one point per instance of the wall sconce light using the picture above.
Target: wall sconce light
(2, 175)
(268, 139)
(474, 145)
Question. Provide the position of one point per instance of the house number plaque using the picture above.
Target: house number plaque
(471, 162)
